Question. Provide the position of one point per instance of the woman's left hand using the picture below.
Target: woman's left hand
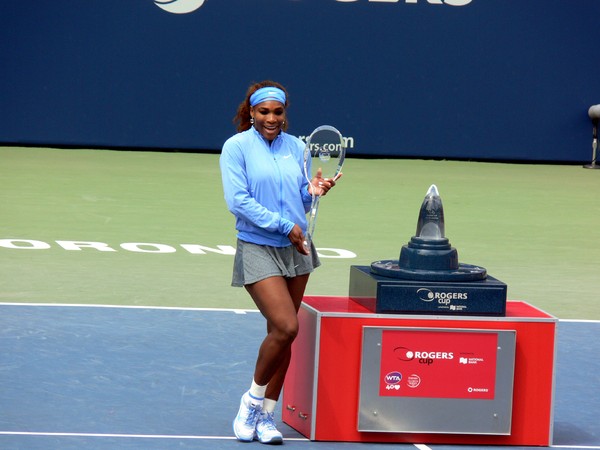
(297, 239)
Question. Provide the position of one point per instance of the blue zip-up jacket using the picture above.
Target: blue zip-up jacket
(265, 187)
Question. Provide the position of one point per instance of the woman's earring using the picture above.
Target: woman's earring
(252, 120)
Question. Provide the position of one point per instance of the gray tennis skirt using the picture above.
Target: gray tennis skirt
(254, 262)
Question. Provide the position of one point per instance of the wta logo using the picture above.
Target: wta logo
(393, 378)
(179, 6)
(392, 381)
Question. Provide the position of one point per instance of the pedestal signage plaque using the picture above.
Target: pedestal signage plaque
(438, 364)
(432, 380)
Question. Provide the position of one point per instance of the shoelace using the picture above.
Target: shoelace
(269, 422)
(251, 417)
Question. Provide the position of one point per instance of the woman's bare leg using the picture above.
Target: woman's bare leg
(278, 299)
(296, 287)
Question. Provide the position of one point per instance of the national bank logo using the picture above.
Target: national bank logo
(179, 6)
(189, 6)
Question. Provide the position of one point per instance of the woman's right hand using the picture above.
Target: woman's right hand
(296, 237)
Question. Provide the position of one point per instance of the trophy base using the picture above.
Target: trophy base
(465, 272)
(387, 295)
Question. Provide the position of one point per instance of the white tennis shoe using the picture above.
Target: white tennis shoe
(266, 431)
(244, 425)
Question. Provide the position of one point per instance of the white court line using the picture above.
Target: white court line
(576, 446)
(168, 308)
(150, 436)
(579, 320)
(134, 436)
(591, 447)
(227, 438)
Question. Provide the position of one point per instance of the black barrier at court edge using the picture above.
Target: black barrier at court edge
(479, 79)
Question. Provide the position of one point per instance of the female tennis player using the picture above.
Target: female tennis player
(267, 192)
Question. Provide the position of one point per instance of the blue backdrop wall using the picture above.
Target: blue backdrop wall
(479, 79)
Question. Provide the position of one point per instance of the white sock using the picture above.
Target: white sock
(257, 393)
(269, 405)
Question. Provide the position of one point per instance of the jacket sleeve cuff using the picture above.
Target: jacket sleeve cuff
(285, 226)
(306, 198)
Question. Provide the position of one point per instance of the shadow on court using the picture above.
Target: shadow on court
(74, 377)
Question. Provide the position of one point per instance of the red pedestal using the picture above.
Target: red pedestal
(321, 392)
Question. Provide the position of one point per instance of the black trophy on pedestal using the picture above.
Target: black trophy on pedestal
(429, 255)
(428, 278)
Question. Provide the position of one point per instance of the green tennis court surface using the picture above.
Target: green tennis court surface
(149, 228)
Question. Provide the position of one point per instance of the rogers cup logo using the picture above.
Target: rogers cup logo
(179, 6)
(443, 298)
(189, 6)
(423, 357)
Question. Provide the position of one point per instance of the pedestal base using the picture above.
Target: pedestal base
(322, 392)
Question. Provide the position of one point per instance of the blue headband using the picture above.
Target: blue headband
(267, 93)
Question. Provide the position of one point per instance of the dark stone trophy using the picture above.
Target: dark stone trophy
(428, 278)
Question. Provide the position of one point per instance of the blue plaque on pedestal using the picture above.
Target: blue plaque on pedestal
(384, 295)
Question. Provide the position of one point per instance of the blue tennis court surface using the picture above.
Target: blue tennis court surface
(93, 377)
